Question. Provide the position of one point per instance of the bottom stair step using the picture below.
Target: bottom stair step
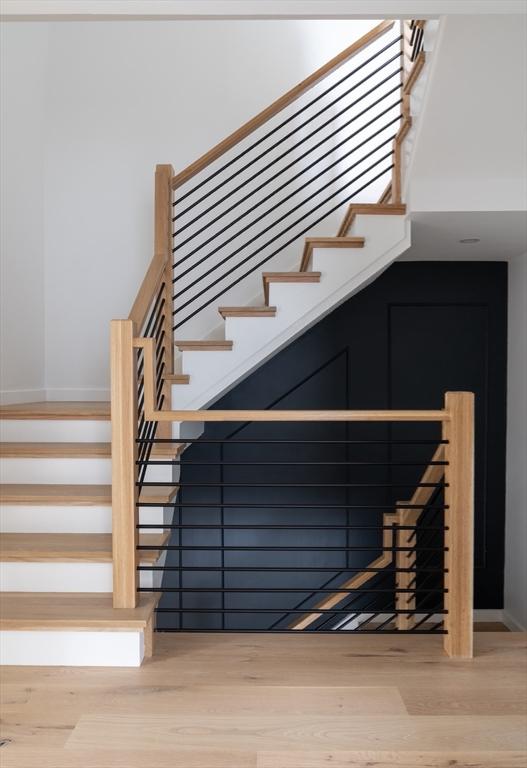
(81, 629)
(69, 610)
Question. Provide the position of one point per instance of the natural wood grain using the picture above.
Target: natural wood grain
(264, 731)
(74, 410)
(370, 209)
(204, 346)
(163, 247)
(459, 517)
(390, 759)
(75, 495)
(55, 450)
(275, 415)
(261, 118)
(81, 495)
(287, 277)
(124, 468)
(386, 195)
(414, 73)
(67, 610)
(178, 378)
(247, 311)
(327, 242)
(69, 547)
(147, 292)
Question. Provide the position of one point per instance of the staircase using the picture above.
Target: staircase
(73, 495)
(56, 541)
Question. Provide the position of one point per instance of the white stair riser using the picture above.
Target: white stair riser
(52, 576)
(72, 648)
(70, 471)
(71, 519)
(54, 431)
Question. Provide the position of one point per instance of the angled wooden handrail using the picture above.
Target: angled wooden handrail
(401, 516)
(147, 292)
(273, 109)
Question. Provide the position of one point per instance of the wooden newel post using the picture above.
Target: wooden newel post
(163, 249)
(124, 470)
(459, 518)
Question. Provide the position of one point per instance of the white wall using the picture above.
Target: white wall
(470, 149)
(516, 509)
(22, 68)
(120, 97)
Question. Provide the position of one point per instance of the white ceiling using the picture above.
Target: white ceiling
(250, 9)
(436, 236)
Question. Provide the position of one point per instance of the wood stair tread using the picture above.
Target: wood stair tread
(204, 346)
(370, 209)
(74, 410)
(71, 610)
(77, 495)
(247, 311)
(55, 450)
(288, 277)
(178, 378)
(327, 242)
(70, 547)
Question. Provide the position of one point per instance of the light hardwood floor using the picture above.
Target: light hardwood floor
(275, 701)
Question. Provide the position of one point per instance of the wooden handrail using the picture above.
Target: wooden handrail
(147, 292)
(273, 109)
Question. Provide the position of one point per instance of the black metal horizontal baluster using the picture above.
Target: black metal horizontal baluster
(291, 240)
(277, 221)
(246, 211)
(279, 569)
(246, 182)
(290, 118)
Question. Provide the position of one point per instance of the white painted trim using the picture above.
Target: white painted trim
(14, 396)
(72, 648)
(511, 623)
(29, 10)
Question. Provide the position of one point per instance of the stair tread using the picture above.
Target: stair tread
(74, 410)
(71, 610)
(70, 547)
(204, 346)
(263, 311)
(327, 242)
(76, 495)
(178, 378)
(55, 450)
(288, 277)
(372, 209)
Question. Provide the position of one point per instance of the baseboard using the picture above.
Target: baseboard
(81, 393)
(511, 623)
(15, 396)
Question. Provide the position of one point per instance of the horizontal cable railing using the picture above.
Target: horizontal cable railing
(287, 172)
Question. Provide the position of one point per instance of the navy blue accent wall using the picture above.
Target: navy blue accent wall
(417, 331)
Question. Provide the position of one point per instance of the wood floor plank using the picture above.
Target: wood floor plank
(264, 732)
(400, 759)
(66, 705)
(452, 699)
(14, 757)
